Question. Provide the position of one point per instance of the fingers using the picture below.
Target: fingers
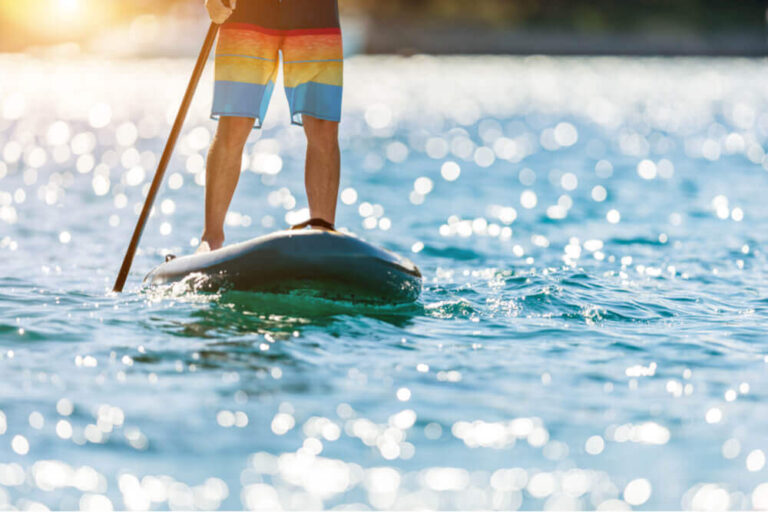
(218, 11)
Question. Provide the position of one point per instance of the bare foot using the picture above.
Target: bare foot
(203, 248)
(210, 243)
(313, 228)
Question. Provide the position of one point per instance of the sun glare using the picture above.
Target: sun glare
(69, 5)
(53, 21)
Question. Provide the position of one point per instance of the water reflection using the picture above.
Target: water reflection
(590, 231)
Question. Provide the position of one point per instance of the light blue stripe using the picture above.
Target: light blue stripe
(244, 56)
(317, 100)
(241, 99)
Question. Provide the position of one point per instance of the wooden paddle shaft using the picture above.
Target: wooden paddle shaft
(167, 152)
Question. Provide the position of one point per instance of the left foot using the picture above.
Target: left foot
(209, 245)
(209, 242)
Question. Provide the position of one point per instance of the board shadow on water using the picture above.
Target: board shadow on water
(236, 313)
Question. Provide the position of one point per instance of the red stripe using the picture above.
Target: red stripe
(277, 32)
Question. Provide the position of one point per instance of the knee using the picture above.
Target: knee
(321, 134)
(232, 133)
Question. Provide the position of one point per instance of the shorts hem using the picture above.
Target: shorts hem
(296, 122)
(256, 125)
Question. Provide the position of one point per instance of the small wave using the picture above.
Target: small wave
(452, 253)
(448, 310)
(639, 240)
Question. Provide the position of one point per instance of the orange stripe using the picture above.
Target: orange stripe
(254, 44)
(326, 47)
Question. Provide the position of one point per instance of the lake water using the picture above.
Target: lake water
(591, 332)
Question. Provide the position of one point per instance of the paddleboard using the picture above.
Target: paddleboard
(326, 264)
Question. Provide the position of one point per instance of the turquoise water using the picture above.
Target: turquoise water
(591, 332)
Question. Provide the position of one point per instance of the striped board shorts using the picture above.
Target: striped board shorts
(306, 32)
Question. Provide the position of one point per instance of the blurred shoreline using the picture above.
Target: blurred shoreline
(462, 39)
(362, 37)
(170, 35)
(175, 28)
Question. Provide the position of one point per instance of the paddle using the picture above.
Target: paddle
(167, 152)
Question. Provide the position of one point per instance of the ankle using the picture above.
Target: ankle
(214, 241)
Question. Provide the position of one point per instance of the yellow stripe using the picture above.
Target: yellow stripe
(329, 73)
(242, 69)
(313, 53)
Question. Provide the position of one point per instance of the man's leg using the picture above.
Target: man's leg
(321, 177)
(221, 175)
